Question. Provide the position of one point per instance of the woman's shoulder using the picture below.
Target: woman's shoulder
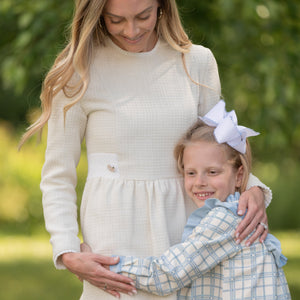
(198, 59)
(199, 52)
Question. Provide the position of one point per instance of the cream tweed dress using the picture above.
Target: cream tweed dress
(135, 109)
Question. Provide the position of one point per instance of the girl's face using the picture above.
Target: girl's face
(131, 23)
(208, 174)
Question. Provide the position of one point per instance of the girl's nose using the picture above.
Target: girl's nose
(131, 30)
(201, 180)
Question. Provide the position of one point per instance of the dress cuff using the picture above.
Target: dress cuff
(58, 259)
(61, 245)
(254, 181)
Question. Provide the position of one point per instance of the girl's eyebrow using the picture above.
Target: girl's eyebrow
(116, 16)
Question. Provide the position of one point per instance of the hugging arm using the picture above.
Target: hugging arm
(181, 264)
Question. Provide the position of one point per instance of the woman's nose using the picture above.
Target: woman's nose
(131, 30)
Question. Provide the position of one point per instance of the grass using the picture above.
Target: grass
(27, 272)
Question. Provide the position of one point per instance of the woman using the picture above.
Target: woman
(127, 83)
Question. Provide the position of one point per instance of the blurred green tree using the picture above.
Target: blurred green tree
(256, 44)
(31, 34)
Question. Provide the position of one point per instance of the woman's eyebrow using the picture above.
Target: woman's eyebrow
(116, 16)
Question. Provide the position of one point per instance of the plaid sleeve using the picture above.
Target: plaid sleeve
(211, 242)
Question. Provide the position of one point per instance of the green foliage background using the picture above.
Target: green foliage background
(257, 47)
(256, 44)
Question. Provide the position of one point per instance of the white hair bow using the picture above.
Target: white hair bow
(227, 129)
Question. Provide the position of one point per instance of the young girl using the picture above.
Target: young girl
(214, 157)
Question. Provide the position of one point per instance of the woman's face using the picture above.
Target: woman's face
(131, 23)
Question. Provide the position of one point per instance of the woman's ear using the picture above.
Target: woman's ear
(239, 177)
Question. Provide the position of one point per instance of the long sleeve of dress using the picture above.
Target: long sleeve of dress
(59, 177)
(210, 243)
(254, 181)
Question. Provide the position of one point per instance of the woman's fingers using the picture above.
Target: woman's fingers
(114, 286)
(249, 223)
(87, 266)
(253, 200)
(113, 293)
(114, 281)
(264, 236)
(105, 279)
(254, 225)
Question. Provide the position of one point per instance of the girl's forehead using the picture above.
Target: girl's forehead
(209, 150)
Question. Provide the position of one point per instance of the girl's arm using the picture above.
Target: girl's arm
(211, 242)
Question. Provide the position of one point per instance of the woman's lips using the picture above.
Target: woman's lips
(133, 41)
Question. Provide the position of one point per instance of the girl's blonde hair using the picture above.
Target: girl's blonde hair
(202, 132)
(88, 32)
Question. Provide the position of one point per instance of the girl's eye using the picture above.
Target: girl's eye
(191, 173)
(213, 172)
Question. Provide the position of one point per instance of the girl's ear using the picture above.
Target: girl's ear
(239, 177)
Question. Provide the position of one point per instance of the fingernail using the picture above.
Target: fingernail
(130, 294)
(238, 241)
(248, 244)
(240, 212)
(237, 235)
(134, 291)
(132, 283)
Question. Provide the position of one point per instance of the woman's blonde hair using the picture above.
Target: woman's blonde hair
(202, 132)
(88, 32)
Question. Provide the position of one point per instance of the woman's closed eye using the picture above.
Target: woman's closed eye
(115, 21)
(143, 18)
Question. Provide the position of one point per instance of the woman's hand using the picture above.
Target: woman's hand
(94, 268)
(252, 200)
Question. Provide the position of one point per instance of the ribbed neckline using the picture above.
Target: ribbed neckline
(135, 54)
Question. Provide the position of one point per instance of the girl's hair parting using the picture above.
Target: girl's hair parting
(202, 132)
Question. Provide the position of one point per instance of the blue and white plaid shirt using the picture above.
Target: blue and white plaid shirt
(209, 264)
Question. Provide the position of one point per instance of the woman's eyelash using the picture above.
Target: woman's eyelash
(143, 18)
(119, 21)
(115, 22)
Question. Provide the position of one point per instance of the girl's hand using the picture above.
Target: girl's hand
(94, 268)
(254, 201)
